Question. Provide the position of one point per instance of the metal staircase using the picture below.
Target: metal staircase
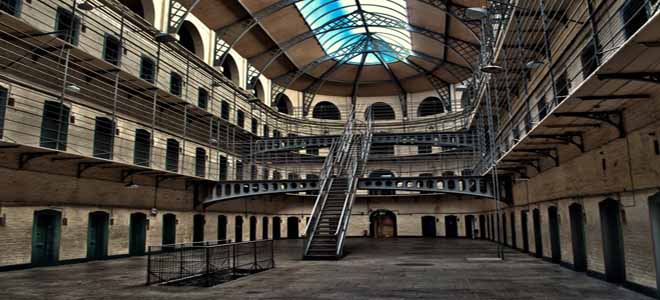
(326, 230)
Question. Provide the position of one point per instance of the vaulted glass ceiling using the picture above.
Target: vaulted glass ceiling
(357, 24)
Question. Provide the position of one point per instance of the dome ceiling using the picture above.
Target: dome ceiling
(391, 47)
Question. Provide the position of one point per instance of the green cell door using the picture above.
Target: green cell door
(97, 235)
(138, 234)
(169, 229)
(45, 237)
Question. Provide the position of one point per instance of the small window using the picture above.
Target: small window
(424, 149)
(255, 126)
(12, 7)
(589, 58)
(239, 170)
(202, 98)
(67, 26)
(224, 110)
(172, 155)
(240, 118)
(634, 16)
(142, 150)
(54, 126)
(200, 162)
(266, 131)
(222, 173)
(147, 69)
(542, 108)
(176, 84)
(112, 49)
(103, 138)
(562, 87)
(277, 175)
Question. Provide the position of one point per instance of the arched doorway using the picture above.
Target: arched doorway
(451, 226)
(190, 39)
(482, 226)
(277, 230)
(430, 106)
(144, 9)
(525, 230)
(514, 241)
(198, 228)
(259, 90)
(382, 224)
(97, 235)
(380, 111)
(253, 228)
(578, 240)
(46, 237)
(503, 238)
(538, 238)
(283, 104)
(238, 229)
(613, 254)
(137, 238)
(381, 174)
(292, 227)
(230, 70)
(264, 228)
(169, 229)
(469, 227)
(326, 110)
(428, 226)
(553, 223)
(222, 228)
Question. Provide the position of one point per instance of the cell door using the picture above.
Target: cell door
(553, 222)
(97, 235)
(264, 228)
(169, 229)
(292, 228)
(514, 241)
(482, 227)
(238, 229)
(578, 241)
(451, 226)
(198, 228)
(276, 228)
(538, 239)
(428, 226)
(610, 222)
(253, 228)
(469, 226)
(525, 231)
(138, 234)
(45, 237)
(222, 228)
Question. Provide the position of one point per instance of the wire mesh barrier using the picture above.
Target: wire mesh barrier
(207, 263)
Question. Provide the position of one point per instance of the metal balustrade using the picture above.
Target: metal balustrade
(477, 186)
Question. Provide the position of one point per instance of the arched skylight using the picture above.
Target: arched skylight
(355, 20)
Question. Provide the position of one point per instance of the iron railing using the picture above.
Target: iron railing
(207, 263)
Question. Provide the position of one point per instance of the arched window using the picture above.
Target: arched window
(230, 70)
(172, 155)
(190, 39)
(283, 104)
(326, 110)
(259, 91)
(430, 106)
(142, 8)
(380, 111)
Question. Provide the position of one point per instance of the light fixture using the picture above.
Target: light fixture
(131, 185)
(492, 69)
(86, 6)
(72, 88)
(476, 13)
(534, 64)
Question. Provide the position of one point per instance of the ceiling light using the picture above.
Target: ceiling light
(492, 69)
(86, 6)
(73, 88)
(534, 64)
(476, 13)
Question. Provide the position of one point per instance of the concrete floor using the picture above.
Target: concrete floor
(374, 269)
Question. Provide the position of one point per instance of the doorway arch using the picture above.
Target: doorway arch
(292, 227)
(538, 239)
(46, 237)
(612, 235)
(451, 226)
(238, 229)
(97, 235)
(264, 228)
(555, 243)
(169, 229)
(277, 231)
(198, 228)
(253, 228)
(137, 237)
(578, 241)
(469, 227)
(382, 224)
(428, 226)
(190, 39)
